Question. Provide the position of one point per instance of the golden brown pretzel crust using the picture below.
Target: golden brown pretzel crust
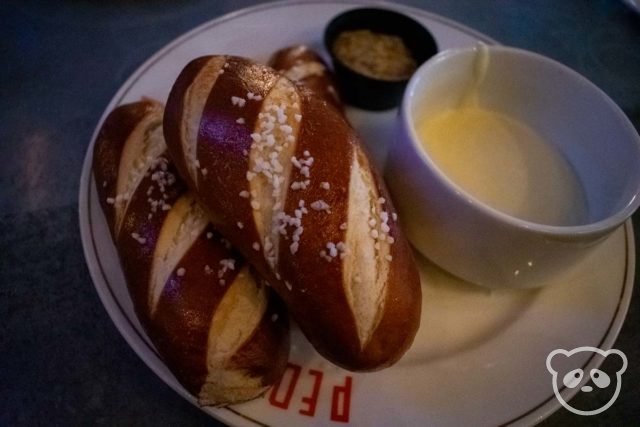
(180, 321)
(330, 306)
(305, 66)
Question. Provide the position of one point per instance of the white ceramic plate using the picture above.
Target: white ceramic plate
(633, 4)
(479, 357)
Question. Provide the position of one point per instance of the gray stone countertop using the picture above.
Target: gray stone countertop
(62, 361)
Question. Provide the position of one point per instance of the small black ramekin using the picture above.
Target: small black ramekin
(367, 92)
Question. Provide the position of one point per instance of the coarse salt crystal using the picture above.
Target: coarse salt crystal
(244, 194)
(325, 185)
(228, 264)
(181, 272)
(236, 100)
(294, 247)
(323, 254)
(240, 225)
(267, 244)
(240, 121)
(256, 246)
(320, 205)
(286, 129)
(333, 252)
(139, 239)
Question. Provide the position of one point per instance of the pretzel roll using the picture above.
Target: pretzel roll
(219, 331)
(291, 188)
(303, 65)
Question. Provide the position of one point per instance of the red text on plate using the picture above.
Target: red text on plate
(340, 394)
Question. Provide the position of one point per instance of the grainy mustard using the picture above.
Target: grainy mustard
(376, 55)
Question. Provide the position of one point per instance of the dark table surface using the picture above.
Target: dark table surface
(62, 361)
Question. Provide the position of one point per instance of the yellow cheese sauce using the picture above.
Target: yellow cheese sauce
(503, 162)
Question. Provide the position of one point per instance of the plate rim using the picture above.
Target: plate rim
(131, 334)
(552, 404)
